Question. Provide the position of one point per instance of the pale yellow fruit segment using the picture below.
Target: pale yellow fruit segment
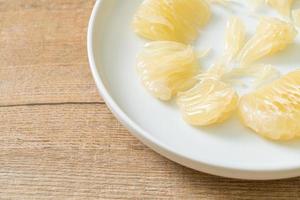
(282, 6)
(209, 102)
(167, 67)
(272, 35)
(273, 111)
(172, 20)
(235, 37)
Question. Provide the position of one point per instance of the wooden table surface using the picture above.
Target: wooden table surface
(58, 140)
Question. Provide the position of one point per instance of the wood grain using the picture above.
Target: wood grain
(81, 151)
(43, 52)
(57, 138)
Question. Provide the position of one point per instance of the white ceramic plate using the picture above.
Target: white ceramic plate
(228, 150)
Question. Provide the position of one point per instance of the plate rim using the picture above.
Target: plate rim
(165, 150)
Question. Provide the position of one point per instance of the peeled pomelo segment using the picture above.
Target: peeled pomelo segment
(171, 20)
(272, 35)
(235, 37)
(296, 17)
(273, 111)
(283, 7)
(209, 102)
(166, 68)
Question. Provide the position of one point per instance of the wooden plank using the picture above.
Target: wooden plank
(47, 83)
(17, 5)
(78, 151)
(43, 52)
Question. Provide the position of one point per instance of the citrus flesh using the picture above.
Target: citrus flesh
(273, 111)
(209, 102)
(272, 35)
(172, 20)
(235, 37)
(166, 68)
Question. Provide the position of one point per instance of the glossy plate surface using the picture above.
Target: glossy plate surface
(226, 150)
